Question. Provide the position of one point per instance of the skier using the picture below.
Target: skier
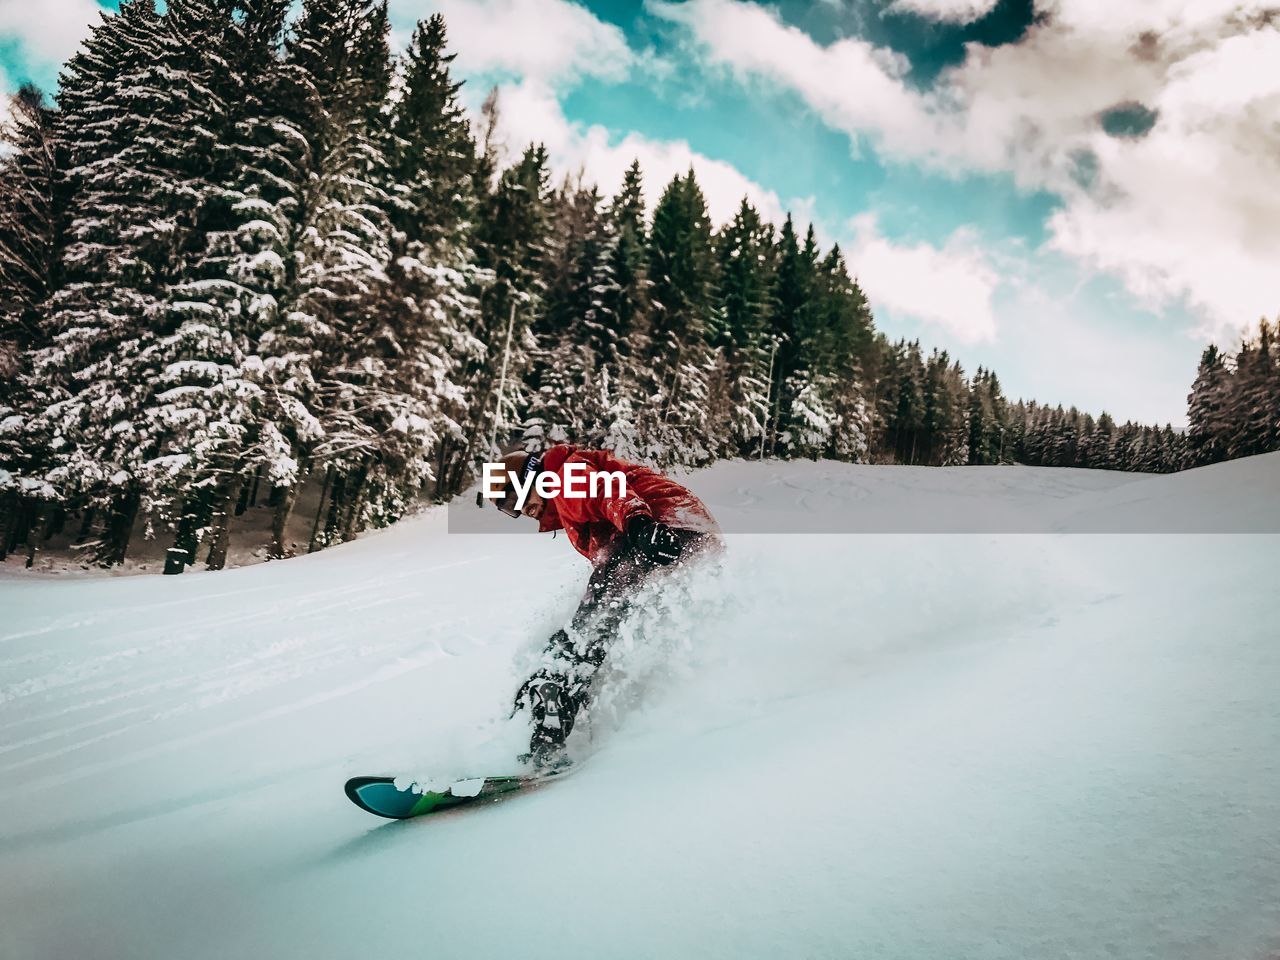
(631, 536)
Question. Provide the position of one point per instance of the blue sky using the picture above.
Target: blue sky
(1067, 191)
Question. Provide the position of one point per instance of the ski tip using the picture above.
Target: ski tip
(379, 796)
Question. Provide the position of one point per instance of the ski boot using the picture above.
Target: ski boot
(554, 708)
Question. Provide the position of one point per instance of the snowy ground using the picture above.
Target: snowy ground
(877, 745)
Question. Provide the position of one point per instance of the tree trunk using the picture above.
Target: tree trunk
(257, 479)
(283, 498)
(315, 526)
(356, 497)
(8, 516)
(57, 521)
(20, 523)
(195, 515)
(220, 538)
(115, 538)
(442, 467)
(242, 502)
(337, 499)
(32, 539)
(86, 524)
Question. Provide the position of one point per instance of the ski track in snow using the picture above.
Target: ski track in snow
(878, 745)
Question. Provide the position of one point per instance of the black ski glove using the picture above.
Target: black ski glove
(654, 540)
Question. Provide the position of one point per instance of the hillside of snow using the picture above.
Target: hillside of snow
(903, 743)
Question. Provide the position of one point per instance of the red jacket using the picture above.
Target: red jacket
(594, 523)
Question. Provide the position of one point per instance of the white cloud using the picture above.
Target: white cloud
(1186, 213)
(946, 11)
(1192, 210)
(950, 287)
(50, 34)
(552, 41)
(529, 112)
(853, 85)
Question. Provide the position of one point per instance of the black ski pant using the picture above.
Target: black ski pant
(574, 656)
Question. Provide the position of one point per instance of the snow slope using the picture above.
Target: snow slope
(877, 745)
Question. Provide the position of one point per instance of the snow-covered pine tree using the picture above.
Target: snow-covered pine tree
(998, 438)
(792, 301)
(342, 53)
(266, 224)
(202, 423)
(142, 131)
(843, 344)
(908, 418)
(577, 331)
(1208, 409)
(1100, 442)
(744, 249)
(811, 423)
(880, 374)
(682, 271)
(29, 234)
(512, 244)
(980, 414)
(626, 304)
(943, 408)
(1122, 445)
(30, 238)
(433, 195)
(430, 310)
(1062, 442)
(955, 441)
(1086, 453)
(629, 301)
(1255, 397)
(1175, 448)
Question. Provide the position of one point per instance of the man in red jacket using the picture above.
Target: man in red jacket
(631, 530)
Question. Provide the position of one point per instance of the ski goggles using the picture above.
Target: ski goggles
(510, 496)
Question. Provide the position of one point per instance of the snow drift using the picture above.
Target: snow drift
(877, 745)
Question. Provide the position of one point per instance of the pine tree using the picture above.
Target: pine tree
(201, 419)
(625, 304)
(30, 240)
(143, 132)
(431, 309)
(30, 247)
(746, 351)
(29, 233)
(268, 203)
(1255, 397)
(629, 302)
(577, 332)
(791, 322)
(433, 161)
(682, 271)
(1207, 409)
(987, 423)
(373, 427)
(512, 244)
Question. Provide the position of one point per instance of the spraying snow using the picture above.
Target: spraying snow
(888, 745)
